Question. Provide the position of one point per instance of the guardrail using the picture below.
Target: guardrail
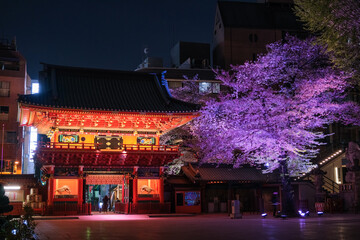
(70, 208)
(331, 185)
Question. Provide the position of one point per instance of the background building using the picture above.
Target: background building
(242, 30)
(189, 60)
(14, 80)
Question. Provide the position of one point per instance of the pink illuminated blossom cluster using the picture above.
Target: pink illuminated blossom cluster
(277, 108)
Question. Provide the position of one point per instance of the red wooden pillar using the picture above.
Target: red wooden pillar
(135, 185)
(161, 194)
(81, 186)
(123, 190)
(126, 194)
(126, 189)
(50, 199)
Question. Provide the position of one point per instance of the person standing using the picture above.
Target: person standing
(105, 203)
(275, 202)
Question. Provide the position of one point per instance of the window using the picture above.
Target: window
(4, 89)
(7, 165)
(179, 199)
(66, 188)
(9, 65)
(188, 198)
(11, 137)
(192, 198)
(174, 84)
(207, 87)
(35, 88)
(15, 195)
(4, 113)
(216, 87)
(148, 188)
(253, 37)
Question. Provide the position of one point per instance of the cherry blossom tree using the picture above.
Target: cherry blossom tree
(276, 111)
(183, 136)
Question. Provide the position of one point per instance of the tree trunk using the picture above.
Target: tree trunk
(288, 205)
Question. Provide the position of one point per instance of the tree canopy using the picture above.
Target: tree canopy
(337, 25)
(276, 109)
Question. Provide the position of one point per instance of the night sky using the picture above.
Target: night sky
(109, 34)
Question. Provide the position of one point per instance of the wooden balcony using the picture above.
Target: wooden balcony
(75, 154)
(125, 147)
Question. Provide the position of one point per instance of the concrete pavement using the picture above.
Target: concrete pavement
(212, 226)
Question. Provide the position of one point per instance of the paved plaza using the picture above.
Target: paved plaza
(216, 226)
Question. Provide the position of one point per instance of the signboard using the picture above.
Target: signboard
(146, 140)
(109, 142)
(68, 138)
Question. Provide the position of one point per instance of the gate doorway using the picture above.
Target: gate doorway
(96, 194)
(99, 186)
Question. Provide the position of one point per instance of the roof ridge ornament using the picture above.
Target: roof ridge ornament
(164, 82)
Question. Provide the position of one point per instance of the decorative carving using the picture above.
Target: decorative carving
(64, 188)
(147, 189)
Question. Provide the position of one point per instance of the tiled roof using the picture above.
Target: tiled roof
(104, 90)
(227, 173)
(258, 15)
(179, 73)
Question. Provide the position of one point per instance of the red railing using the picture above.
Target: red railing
(121, 207)
(69, 208)
(124, 147)
(89, 146)
(150, 207)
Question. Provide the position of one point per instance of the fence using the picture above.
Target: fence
(150, 207)
(69, 208)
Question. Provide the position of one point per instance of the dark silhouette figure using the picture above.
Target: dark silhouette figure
(105, 203)
(4, 201)
(275, 202)
(4, 208)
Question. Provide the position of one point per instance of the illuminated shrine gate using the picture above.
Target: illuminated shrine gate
(103, 128)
